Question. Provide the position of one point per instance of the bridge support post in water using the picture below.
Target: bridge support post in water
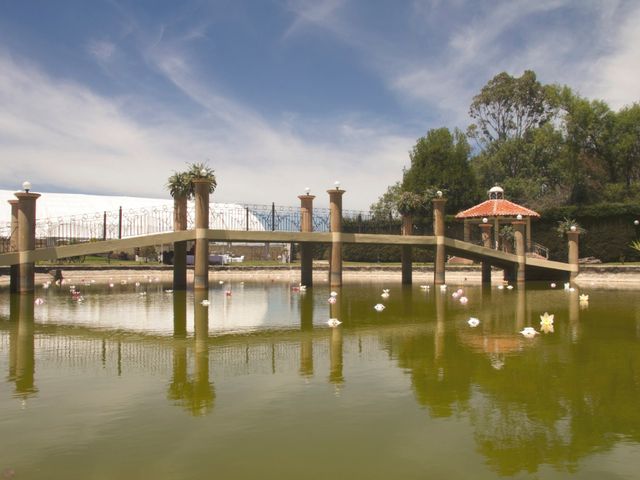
(179, 248)
(335, 263)
(573, 244)
(518, 235)
(13, 247)
(407, 251)
(438, 231)
(26, 239)
(201, 260)
(485, 234)
(306, 249)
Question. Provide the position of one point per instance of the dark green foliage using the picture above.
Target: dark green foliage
(440, 161)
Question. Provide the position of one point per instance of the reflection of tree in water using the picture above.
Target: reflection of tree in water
(552, 402)
(441, 384)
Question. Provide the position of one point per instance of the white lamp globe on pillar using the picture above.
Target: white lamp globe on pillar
(26, 186)
(485, 220)
(337, 184)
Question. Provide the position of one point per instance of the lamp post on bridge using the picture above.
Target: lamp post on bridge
(13, 247)
(306, 249)
(335, 263)
(438, 230)
(26, 237)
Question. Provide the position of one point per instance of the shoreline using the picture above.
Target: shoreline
(611, 276)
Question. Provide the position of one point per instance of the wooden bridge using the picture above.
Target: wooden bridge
(517, 266)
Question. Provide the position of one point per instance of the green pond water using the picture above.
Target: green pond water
(257, 385)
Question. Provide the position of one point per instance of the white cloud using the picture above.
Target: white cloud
(101, 50)
(615, 74)
(60, 133)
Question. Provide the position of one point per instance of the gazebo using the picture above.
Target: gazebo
(497, 211)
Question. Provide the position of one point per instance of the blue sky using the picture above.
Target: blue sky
(112, 96)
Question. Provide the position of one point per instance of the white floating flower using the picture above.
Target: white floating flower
(334, 294)
(473, 322)
(46, 285)
(303, 288)
(500, 287)
(204, 303)
(38, 301)
(464, 300)
(111, 285)
(168, 290)
(553, 285)
(567, 285)
(455, 295)
(509, 287)
(571, 289)
(459, 291)
(424, 287)
(384, 295)
(546, 319)
(332, 300)
(123, 282)
(137, 284)
(529, 332)
(221, 282)
(379, 307)
(584, 298)
(443, 287)
(333, 322)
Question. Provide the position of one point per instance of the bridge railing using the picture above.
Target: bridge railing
(125, 223)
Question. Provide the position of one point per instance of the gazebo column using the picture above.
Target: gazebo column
(14, 276)
(438, 231)
(518, 233)
(496, 233)
(407, 250)
(466, 230)
(335, 263)
(528, 233)
(306, 249)
(485, 233)
(573, 244)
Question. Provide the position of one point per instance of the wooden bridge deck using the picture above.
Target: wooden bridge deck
(452, 246)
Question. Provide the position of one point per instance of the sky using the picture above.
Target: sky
(112, 96)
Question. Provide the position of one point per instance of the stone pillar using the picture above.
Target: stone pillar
(572, 238)
(179, 248)
(485, 234)
(518, 234)
(438, 231)
(13, 247)
(335, 263)
(26, 239)
(528, 233)
(306, 249)
(406, 252)
(201, 261)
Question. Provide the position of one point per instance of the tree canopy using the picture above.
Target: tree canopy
(544, 143)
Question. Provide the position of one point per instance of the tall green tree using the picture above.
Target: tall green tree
(588, 127)
(508, 107)
(626, 148)
(441, 159)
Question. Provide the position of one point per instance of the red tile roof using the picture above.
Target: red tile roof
(497, 208)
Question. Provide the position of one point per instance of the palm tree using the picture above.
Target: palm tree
(198, 171)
